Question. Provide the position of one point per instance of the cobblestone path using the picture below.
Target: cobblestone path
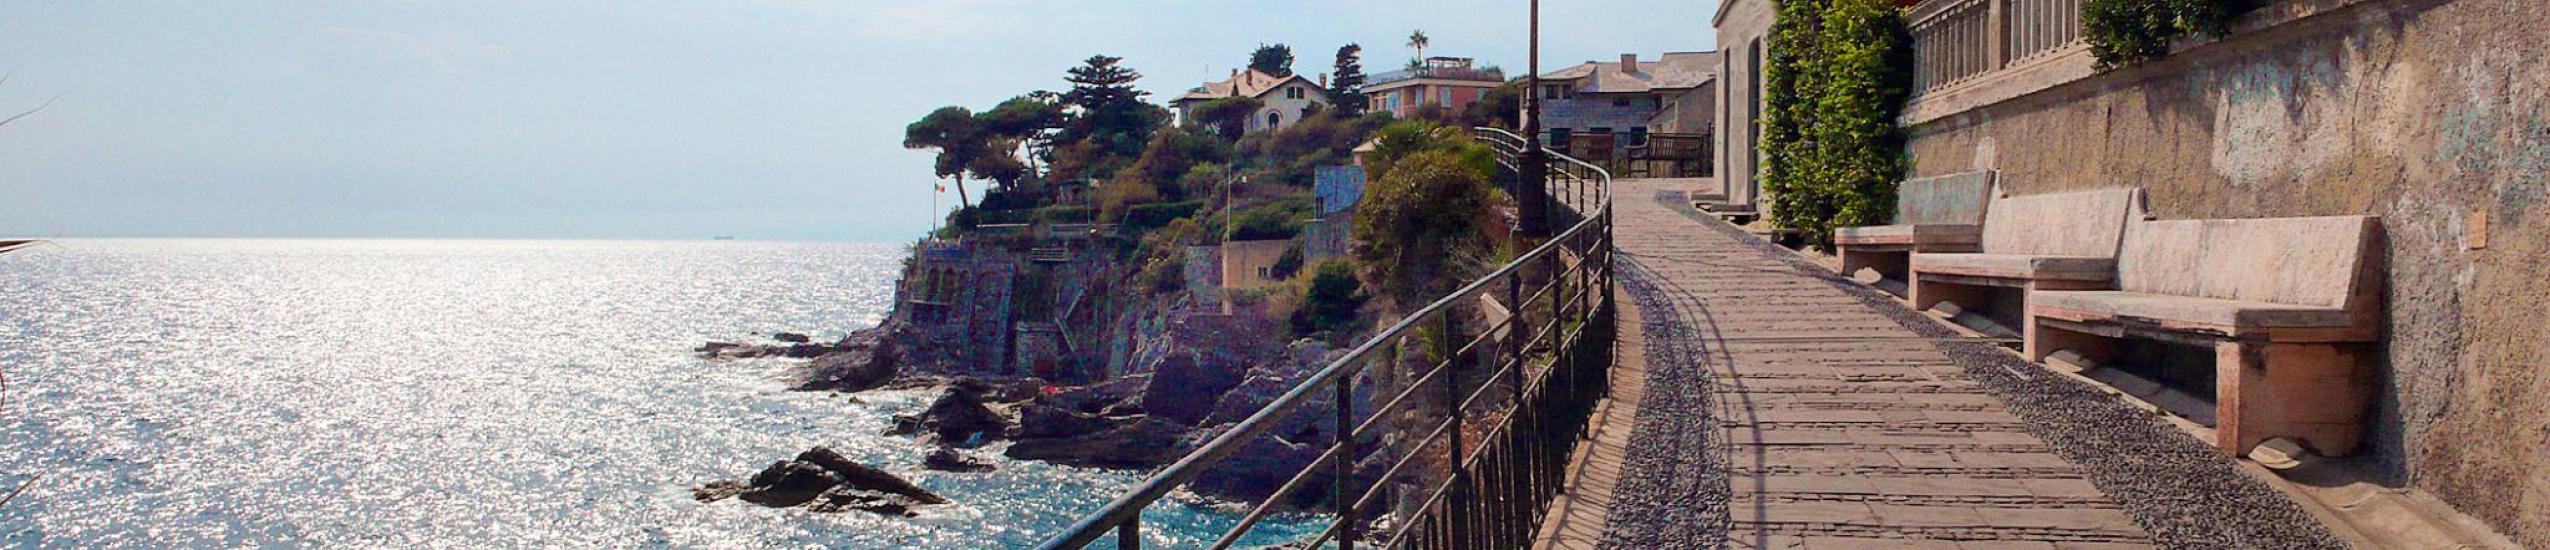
(1762, 404)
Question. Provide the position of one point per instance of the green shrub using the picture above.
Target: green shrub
(1329, 304)
(1281, 218)
(1838, 77)
(2126, 32)
(1064, 214)
(1287, 264)
(1420, 229)
(1158, 215)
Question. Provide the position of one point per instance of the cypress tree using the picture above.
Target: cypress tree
(1344, 86)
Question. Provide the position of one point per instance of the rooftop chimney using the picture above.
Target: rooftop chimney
(1323, 80)
(1628, 62)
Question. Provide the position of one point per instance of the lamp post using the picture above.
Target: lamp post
(1531, 193)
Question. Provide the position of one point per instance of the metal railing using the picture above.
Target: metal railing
(1465, 433)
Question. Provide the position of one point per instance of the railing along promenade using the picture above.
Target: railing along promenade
(1521, 388)
(1957, 41)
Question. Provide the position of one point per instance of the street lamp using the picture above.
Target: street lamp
(1532, 171)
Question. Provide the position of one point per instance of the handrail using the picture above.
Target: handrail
(1574, 184)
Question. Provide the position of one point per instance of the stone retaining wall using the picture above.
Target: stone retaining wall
(2434, 115)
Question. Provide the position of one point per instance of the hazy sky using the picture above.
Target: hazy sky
(761, 119)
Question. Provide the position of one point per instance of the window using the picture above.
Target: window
(1274, 119)
(1292, 92)
(1558, 91)
(1447, 97)
(1265, 272)
(1622, 102)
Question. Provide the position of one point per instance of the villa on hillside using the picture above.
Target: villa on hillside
(1673, 94)
(1287, 99)
(1449, 82)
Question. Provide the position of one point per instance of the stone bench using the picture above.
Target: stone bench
(2060, 241)
(2287, 306)
(1934, 214)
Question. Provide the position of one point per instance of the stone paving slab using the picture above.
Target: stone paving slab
(1774, 405)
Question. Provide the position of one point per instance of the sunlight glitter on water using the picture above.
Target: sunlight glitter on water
(462, 393)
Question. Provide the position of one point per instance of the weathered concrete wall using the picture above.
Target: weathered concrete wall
(2434, 115)
(1744, 28)
(1248, 264)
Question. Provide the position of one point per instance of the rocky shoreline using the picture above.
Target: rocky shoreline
(1194, 381)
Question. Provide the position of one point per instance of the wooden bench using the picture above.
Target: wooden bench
(1936, 214)
(2061, 241)
(2288, 306)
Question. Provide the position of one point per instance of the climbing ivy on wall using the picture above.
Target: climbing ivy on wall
(1837, 78)
(2126, 32)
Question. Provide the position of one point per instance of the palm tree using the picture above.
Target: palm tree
(1418, 40)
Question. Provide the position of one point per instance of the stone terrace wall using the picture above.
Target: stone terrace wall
(2435, 115)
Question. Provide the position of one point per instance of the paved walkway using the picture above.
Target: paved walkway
(1825, 422)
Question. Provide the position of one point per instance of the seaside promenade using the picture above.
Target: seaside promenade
(1760, 401)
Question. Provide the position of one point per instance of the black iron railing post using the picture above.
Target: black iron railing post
(1129, 533)
(1344, 464)
(1459, 503)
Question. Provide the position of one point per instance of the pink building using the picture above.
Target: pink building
(1450, 82)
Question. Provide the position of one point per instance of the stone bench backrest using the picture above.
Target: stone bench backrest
(2315, 262)
(2081, 223)
(1954, 199)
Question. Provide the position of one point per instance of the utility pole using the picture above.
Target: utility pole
(1531, 195)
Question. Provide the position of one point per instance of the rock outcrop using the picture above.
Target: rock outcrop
(824, 481)
(861, 362)
(1141, 442)
(958, 417)
(948, 459)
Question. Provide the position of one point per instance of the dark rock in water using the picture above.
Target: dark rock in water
(844, 498)
(791, 337)
(718, 490)
(860, 365)
(1038, 420)
(959, 417)
(713, 348)
(823, 480)
(1140, 443)
(1096, 398)
(904, 424)
(863, 477)
(948, 459)
(789, 483)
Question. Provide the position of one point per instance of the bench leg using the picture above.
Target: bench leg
(2042, 340)
(1927, 293)
(2314, 393)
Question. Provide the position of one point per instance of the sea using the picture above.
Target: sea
(469, 394)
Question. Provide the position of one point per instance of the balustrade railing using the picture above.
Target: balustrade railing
(1473, 403)
(1955, 41)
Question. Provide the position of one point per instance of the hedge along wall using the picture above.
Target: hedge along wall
(2127, 32)
(1837, 78)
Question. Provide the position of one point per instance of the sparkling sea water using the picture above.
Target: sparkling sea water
(375, 393)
